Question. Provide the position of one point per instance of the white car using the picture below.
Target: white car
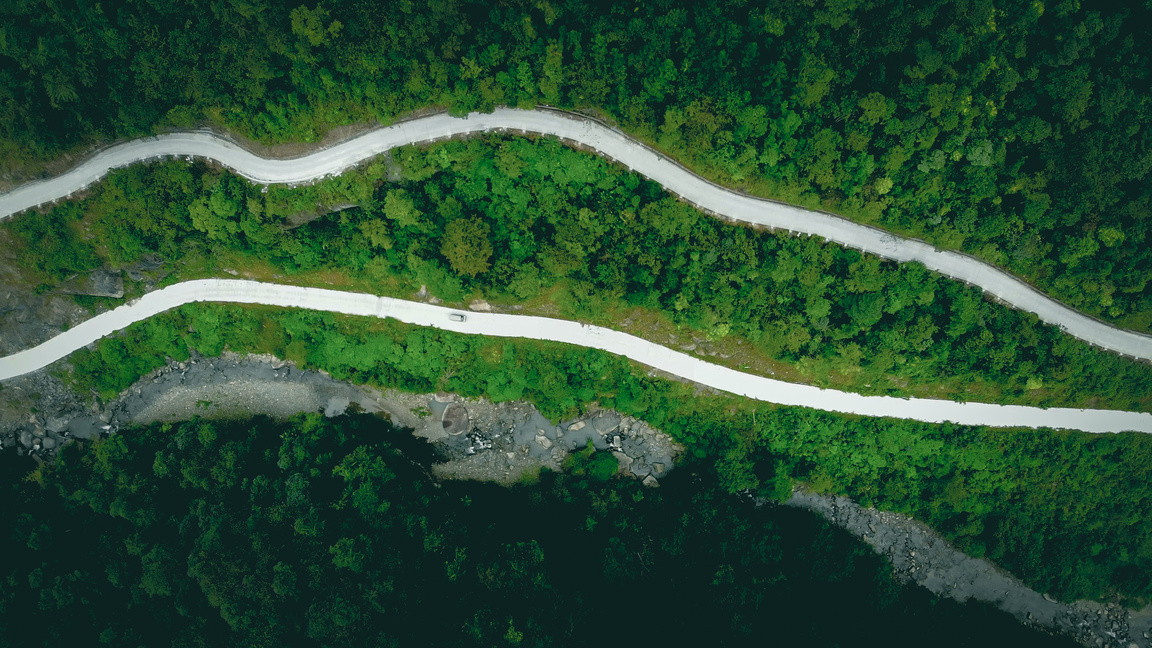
(457, 317)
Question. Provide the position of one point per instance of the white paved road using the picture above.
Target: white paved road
(542, 328)
(611, 144)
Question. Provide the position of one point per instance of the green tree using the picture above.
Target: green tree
(467, 246)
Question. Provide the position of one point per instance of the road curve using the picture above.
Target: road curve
(543, 328)
(611, 144)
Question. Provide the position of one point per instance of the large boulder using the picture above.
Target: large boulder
(105, 283)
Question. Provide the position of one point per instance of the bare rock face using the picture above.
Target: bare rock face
(98, 283)
(106, 283)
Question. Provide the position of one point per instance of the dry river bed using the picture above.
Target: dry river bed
(477, 439)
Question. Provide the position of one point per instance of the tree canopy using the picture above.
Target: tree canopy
(330, 532)
(1019, 134)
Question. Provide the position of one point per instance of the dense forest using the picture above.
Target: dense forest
(1065, 511)
(1016, 132)
(323, 532)
(536, 223)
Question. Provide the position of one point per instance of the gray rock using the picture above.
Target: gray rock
(49, 443)
(650, 482)
(623, 459)
(57, 425)
(578, 425)
(336, 406)
(105, 283)
(658, 468)
(480, 305)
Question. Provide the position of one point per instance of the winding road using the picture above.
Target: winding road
(611, 144)
(543, 328)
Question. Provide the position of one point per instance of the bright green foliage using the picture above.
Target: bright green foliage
(599, 466)
(511, 218)
(1009, 132)
(466, 246)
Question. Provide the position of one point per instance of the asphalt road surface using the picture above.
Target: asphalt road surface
(543, 328)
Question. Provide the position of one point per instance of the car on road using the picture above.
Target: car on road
(457, 317)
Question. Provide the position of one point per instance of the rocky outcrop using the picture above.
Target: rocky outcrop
(508, 440)
(921, 556)
(98, 283)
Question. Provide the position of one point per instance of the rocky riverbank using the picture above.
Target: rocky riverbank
(921, 556)
(475, 438)
(505, 442)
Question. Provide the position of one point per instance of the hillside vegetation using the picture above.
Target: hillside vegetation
(315, 532)
(1067, 512)
(1018, 132)
(535, 223)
